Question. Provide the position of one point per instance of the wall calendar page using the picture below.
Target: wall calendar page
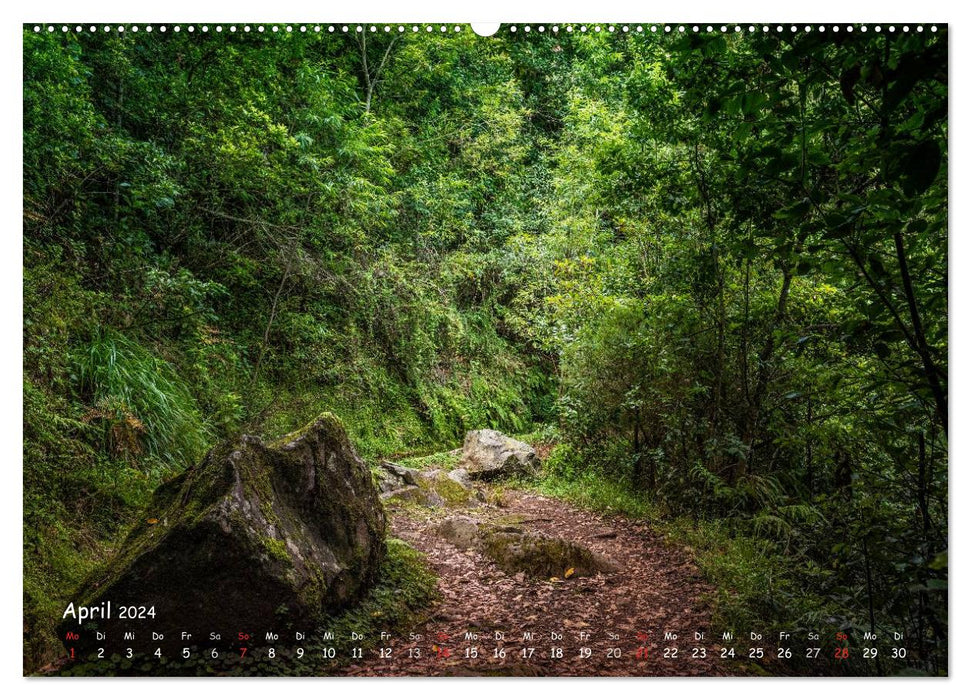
(589, 349)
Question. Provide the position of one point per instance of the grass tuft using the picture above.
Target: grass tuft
(139, 401)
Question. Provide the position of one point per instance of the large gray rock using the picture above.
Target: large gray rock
(393, 477)
(460, 531)
(255, 537)
(488, 454)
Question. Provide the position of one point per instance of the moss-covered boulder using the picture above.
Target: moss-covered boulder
(542, 556)
(256, 537)
(488, 454)
(436, 488)
(518, 552)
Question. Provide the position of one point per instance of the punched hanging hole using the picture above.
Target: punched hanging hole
(485, 28)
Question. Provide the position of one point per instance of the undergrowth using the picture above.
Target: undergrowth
(139, 401)
(438, 460)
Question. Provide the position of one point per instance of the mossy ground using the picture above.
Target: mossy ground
(439, 460)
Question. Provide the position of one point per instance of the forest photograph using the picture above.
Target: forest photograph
(578, 349)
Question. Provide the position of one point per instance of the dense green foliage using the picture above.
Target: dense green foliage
(715, 264)
(757, 328)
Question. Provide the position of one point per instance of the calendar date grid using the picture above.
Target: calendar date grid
(485, 647)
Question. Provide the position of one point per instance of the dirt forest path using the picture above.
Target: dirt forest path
(656, 589)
